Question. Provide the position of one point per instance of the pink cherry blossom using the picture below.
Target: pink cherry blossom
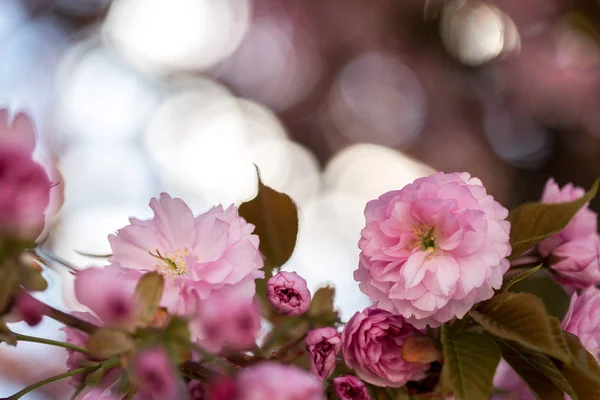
(348, 387)
(155, 376)
(196, 390)
(288, 294)
(433, 249)
(29, 309)
(372, 345)
(18, 133)
(24, 194)
(229, 318)
(102, 290)
(576, 263)
(196, 255)
(269, 380)
(324, 344)
(583, 319)
(583, 224)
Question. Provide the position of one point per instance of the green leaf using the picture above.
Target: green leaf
(109, 342)
(537, 370)
(519, 277)
(148, 293)
(533, 222)
(584, 373)
(543, 286)
(322, 311)
(520, 317)
(470, 362)
(95, 377)
(275, 218)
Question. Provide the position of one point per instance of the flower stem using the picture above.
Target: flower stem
(39, 384)
(34, 339)
(68, 319)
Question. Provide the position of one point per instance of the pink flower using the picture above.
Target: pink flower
(154, 375)
(96, 394)
(583, 319)
(324, 344)
(577, 262)
(102, 290)
(288, 294)
(222, 388)
(583, 224)
(196, 390)
(24, 194)
(197, 255)
(372, 345)
(29, 309)
(433, 249)
(270, 380)
(348, 387)
(18, 134)
(228, 318)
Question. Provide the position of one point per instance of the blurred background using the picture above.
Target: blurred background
(337, 101)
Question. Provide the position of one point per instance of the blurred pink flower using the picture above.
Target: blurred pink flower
(24, 194)
(103, 292)
(269, 380)
(18, 133)
(96, 394)
(154, 375)
(372, 345)
(29, 309)
(288, 294)
(196, 390)
(583, 319)
(433, 249)
(577, 262)
(229, 318)
(583, 224)
(508, 381)
(324, 344)
(196, 255)
(348, 387)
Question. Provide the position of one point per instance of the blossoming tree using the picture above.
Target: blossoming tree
(202, 306)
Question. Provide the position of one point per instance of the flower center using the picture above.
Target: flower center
(426, 239)
(172, 264)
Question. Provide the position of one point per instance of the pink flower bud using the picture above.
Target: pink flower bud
(24, 194)
(583, 319)
(102, 290)
(228, 319)
(29, 309)
(324, 345)
(583, 224)
(154, 374)
(576, 262)
(222, 388)
(288, 294)
(372, 343)
(348, 387)
(96, 394)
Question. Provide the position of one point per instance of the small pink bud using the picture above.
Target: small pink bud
(324, 345)
(196, 390)
(29, 309)
(348, 387)
(222, 388)
(154, 374)
(288, 294)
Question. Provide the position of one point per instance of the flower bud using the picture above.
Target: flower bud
(576, 262)
(154, 374)
(288, 294)
(348, 387)
(196, 390)
(324, 345)
(29, 309)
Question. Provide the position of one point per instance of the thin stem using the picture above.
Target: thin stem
(34, 339)
(288, 346)
(39, 384)
(525, 260)
(68, 319)
(129, 395)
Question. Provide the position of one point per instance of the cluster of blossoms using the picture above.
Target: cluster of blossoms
(191, 306)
